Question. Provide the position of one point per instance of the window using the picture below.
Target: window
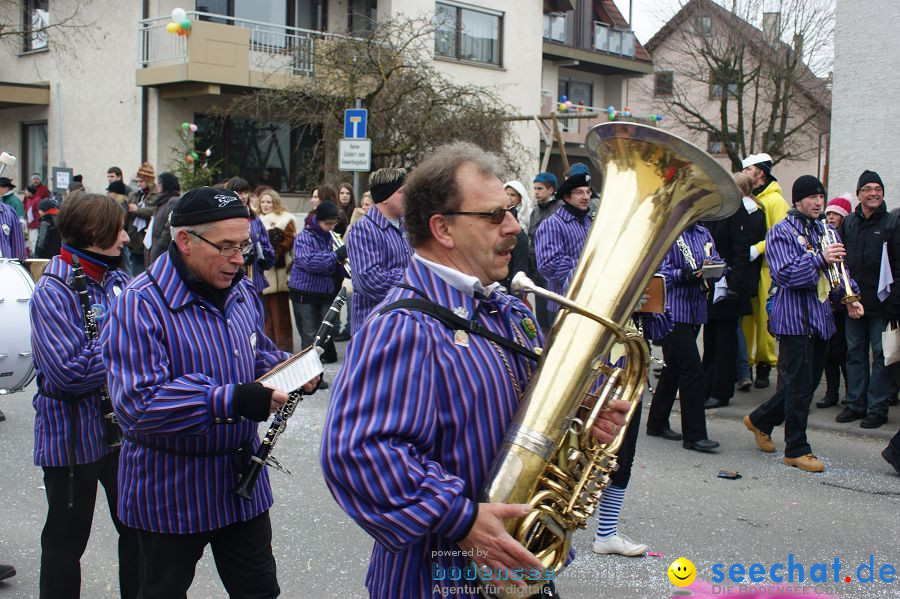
(36, 19)
(580, 93)
(306, 14)
(34, 149)
(271, 154)
(663, 83)
(467, 34)
(704, 24)
(718, 83)
(362, 16)
(715, 144)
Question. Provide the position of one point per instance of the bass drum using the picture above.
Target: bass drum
(16, 364)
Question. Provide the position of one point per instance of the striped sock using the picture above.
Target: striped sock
(608, 509)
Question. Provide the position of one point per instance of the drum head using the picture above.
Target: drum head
(16, 364)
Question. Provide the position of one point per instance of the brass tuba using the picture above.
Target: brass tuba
(655, 185)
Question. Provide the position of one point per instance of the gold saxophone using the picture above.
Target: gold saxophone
(655, 185)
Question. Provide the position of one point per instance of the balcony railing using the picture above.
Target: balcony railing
(273, 48)
(620, 42)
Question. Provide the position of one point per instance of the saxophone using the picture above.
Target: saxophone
(655, 184)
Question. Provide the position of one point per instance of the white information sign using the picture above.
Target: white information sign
(355, 155)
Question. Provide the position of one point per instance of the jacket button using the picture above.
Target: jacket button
(236, 353)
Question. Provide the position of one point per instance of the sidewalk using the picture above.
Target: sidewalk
(819, 419)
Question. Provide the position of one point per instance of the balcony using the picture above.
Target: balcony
(221, 53)
(608, 51)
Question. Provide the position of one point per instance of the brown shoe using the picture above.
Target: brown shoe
(763, 440)
(807, 462)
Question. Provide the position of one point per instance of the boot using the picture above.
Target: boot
(762, 376)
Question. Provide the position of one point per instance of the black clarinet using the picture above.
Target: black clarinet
(263, 455)
(112, 433)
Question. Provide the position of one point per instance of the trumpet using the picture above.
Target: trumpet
(337, 242)
(837, 274)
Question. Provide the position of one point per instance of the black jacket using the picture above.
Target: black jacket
(48, 239)
(755, 229)
(732, 238)
(864, 239)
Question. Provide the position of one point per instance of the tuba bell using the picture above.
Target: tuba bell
(655, 184)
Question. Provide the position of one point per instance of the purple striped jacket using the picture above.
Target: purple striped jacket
(315, 263)
(12, 239)
(687, 301)
(796, 271)
(69, 365)
(414, 423)
(173, 363)
(379, 254)
(557, 245)
(265, 254)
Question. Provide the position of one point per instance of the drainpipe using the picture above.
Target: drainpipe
(144, 96)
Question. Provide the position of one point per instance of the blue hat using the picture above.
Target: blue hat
(579, 168)
(546, 178)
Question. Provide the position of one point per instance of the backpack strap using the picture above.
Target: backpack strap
(451, 320)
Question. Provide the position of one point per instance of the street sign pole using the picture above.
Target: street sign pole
(356, 173)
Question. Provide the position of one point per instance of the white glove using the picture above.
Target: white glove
(754, 253)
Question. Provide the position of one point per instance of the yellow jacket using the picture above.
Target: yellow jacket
(775, 206)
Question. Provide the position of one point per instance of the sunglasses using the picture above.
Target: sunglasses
(495, 216)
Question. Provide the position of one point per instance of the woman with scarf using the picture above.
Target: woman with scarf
(69, 429)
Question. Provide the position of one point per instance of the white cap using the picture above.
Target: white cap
(753, 159)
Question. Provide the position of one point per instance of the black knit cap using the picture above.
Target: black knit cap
(572, 183)
(868, 177)
(117, 187)
(327, 211)
(806, 186)
(207, 205)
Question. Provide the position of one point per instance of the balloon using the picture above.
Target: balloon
(562, 107)
(611, 116)
(178, 15)
(180, 31)
(209, 151)
(172, 27)
(611, 108)
(195, 155)
(563, 99)
(189, 159)
(569, 104)
(185, 125)
(658, 118)
(193, 128)
(186, 25)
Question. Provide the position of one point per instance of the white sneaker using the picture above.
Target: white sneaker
(619, 544)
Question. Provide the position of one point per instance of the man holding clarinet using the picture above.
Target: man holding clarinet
(183, 347)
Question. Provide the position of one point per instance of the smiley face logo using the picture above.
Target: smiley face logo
(682, 572)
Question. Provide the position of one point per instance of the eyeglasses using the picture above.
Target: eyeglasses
(495, 216)
(870, 188)
(227, 251)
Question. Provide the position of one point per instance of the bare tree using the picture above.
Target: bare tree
(42, 25)
(412, 107)
(746, 74)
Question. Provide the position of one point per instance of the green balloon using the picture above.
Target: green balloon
(186, 24)
(195, 155)
(185, 126)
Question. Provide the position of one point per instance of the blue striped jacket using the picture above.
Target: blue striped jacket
(264, 253)
(687, 300)
(174, 361)
(557, 245)
(315, 263)
(796, 271)
(379, 254)
(12, 239)
(69, 366)
(415, 420)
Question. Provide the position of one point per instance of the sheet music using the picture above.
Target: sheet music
(294, 372)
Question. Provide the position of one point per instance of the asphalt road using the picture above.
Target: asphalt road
(675, 503)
